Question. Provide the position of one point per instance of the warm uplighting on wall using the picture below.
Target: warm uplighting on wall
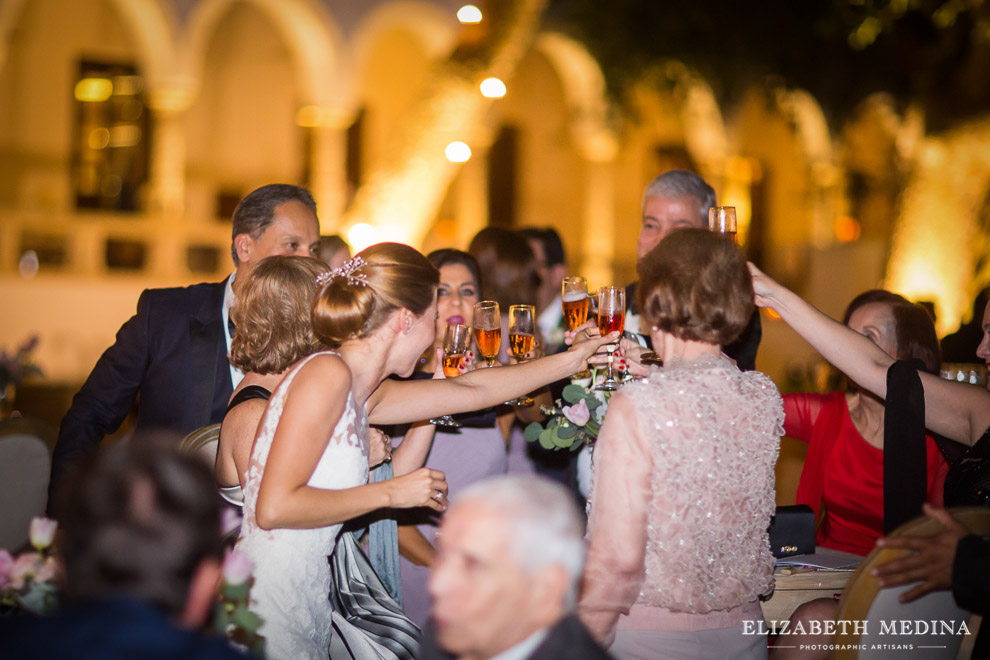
(469, 15)
(492, 88)
(93, 90)
(310, 116)
(361, 236)
(458, 152)
(847, 229)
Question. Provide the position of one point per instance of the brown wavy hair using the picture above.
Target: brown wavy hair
(396, 276)
(271, 314)
(914, 332)
(695, 285)
(509, 273)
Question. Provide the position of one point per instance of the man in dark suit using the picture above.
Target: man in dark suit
(674, 200)
(172, 354)
(504, 583)
(140, 541)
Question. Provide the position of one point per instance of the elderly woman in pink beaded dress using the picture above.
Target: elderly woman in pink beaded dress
(682, 489)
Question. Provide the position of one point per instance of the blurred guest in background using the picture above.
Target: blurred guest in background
(684, 471)
(549, 251)
(173, 352)
(506, 577)
(140, 539)
(334, 251)
(961, 345)
(675, 200)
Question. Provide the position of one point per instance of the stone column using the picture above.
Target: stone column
(328, 161)
(167, 189)
(598, 235)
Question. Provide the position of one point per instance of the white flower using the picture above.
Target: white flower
(42, 532)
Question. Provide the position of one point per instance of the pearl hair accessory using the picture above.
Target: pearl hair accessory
(347, 270)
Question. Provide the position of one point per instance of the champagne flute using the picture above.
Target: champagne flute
(488, 330)
(456, 339)
(522, 339)
(576, 302)
(611, 318)
(722, 220)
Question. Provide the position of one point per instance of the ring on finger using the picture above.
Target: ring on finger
(437, 495)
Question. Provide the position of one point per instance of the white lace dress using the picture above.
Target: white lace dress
(292, 572)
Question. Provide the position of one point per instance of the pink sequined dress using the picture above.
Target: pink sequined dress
(682, 495)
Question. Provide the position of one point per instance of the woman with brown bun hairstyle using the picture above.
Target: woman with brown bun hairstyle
(308, 471)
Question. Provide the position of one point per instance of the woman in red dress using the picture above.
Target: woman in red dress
(842, 478)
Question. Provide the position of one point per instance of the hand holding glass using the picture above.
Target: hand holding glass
(488, 329)
(611, 318)
(522, 339)
(456, 339)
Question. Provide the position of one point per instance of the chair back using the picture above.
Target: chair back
(928, 626)
(203, 443)
(25, 469)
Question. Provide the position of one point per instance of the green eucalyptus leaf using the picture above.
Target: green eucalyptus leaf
(532, 432)
(546, 439)
(565, 443)
(566, 431)
(573, 393)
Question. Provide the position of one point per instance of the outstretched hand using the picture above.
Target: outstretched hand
(931, 559)
(764, 287)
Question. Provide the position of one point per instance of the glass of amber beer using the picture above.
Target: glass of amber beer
(611, 318)
(456, 339)
(488, 329)
(576, 302)
(522, 339)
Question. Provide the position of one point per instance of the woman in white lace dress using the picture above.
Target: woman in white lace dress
(309, 466)
(682, 489)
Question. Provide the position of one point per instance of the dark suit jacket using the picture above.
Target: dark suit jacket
(567, 640)
(106, 630)
(742, 350)
(173, 354)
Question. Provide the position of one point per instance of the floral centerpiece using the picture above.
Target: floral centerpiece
(575, 418)
(15, 368)
(231, 617)
(28, 582)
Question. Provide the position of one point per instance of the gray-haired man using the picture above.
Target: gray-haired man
(674, 200)
(509, 559)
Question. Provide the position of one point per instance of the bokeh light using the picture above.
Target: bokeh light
(469, 15)
(458, 152)
(361, 236)
(492, 88)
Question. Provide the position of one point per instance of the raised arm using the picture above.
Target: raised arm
(396, 402)
(958, 411)
(313, 405)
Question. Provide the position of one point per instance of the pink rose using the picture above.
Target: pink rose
(42, 532)
(237, 568)
(6, 561)
(24, 567)
(578, 413)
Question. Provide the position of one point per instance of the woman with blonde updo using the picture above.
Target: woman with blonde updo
(308, 471)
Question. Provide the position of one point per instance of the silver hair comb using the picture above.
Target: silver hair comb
(347, 270)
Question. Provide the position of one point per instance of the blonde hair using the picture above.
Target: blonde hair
(393, 276)
(271, 314)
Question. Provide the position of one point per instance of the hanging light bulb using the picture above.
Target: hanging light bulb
(458, 152)
(469, 15)
(492, 88)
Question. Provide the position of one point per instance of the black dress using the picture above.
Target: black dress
(968, 481)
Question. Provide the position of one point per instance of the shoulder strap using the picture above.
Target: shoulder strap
(248, 393)
(905, 475)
